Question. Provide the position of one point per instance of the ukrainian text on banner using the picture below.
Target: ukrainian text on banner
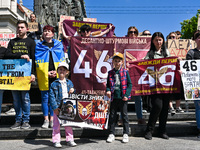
(155, 76)
(15, 74)
(85, 111)
(91, 59)
(191, 78)
(180, 47)
(71, 28)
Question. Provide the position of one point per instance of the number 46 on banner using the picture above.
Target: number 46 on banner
(87, 70)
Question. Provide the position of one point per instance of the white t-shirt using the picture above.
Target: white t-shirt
(64, 88)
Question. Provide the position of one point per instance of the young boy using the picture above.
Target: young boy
(118, 89)
(59, 90)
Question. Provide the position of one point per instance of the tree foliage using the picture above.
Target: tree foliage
(189, 26)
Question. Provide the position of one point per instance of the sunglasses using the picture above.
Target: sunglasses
(131, 32)
(87, 30)
(172, 37)
(147, 34)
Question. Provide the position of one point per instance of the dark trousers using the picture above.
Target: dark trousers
(113, 115)
(160, 105)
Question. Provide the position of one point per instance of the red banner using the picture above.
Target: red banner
(155, 76)
(91, 59)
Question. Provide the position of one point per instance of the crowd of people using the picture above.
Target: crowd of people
(50, 67)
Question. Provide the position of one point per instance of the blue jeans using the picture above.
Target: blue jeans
(1, 99)
(46, 108)
(21, 102)
(197, 112)
(138, 106)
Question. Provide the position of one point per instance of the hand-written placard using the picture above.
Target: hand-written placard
(180, 47)
(191, 79)
(15, 74)
(32, 26)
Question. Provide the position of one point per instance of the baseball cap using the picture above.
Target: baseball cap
(117, 54)
(63, 64)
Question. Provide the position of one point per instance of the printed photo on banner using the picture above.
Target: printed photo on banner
(15, 74)
(155, 76)
(85, 111)
(191, 78)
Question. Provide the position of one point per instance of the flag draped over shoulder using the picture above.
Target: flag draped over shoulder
(42, 54)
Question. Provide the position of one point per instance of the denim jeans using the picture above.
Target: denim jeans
(1, 99)
(197, 112)
(138, 106)
(21, 102)
(46, 108)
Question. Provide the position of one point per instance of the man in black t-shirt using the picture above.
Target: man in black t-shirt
(22, 45)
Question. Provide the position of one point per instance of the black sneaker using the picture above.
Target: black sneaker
(25, 125)
(164, 136)
(17, 125)
(148, 135)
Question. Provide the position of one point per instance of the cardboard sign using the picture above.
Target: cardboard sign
(62, 18)
(180, 47)
(32, 26)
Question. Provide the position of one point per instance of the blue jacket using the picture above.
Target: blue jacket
(55, 94)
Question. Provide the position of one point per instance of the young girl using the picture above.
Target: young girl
(59, 90)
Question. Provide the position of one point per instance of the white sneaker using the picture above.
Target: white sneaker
(110, 138)
(45, 124)
(71, 143)
(57, 144)
(125, 138)
(10, 112)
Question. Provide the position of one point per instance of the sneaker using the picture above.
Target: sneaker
(179, 110)
(17, 125)
(172, 111)
(45, 124)
(10, 112)
(51, 124)
(25, 125)
(144, 111)
(57, 145)
(71, 143)
(125, 138)
(148, 135)
(164, 136)
(110, 138)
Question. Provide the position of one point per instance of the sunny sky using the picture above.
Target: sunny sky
(155, 15)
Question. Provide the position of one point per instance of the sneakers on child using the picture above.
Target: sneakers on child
(125, 138)
(51, 124)
(110, 138)
(172, 111)
(45, 124)
(179, 110)
(17, 125)
(10, 112)
(25, 125)
(71, 143)
(57, 145)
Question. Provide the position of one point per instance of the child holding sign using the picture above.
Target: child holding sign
(59, 90)
(118, 88)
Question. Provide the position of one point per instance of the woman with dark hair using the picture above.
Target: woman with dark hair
(160, 102)
(48, 54)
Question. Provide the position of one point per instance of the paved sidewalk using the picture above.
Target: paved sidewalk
(136, 143)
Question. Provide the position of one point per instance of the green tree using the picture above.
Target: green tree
(189, 26)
